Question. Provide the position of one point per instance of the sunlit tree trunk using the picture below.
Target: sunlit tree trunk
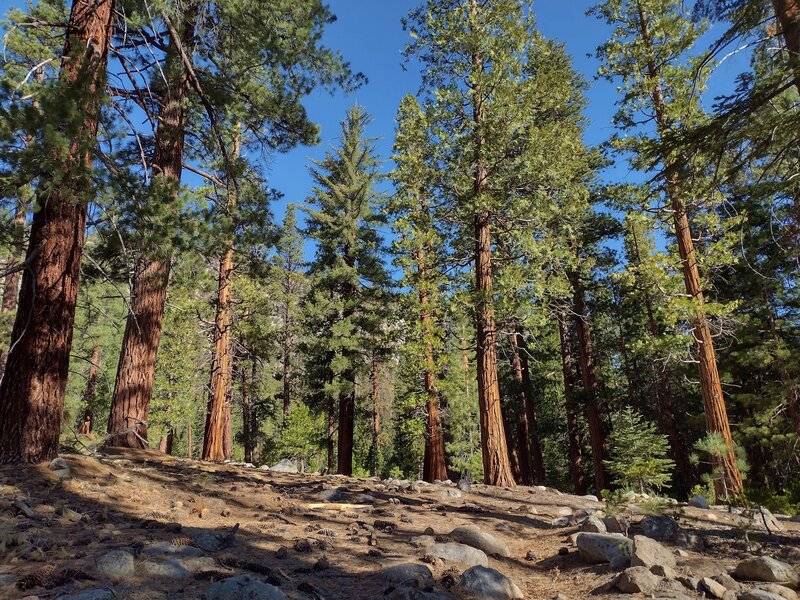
(32, 392)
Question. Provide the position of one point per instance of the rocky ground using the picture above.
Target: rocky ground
(141, 525)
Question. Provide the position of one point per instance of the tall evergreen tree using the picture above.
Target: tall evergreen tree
(348, 276)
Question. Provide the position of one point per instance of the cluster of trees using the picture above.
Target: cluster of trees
(525, 320)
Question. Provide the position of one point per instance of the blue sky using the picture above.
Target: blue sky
(370, 36)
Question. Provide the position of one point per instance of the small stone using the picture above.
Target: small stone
(756, 594)
(450, 493)
(647, 553)
(429, 531)
(330, 495)
(93, 594)
(405, 574)
(167, 550)
(593, 524)
(603, 547)
(564, 511)
(714, 588)
(70, 515)
(728, 581)
(226, 512)
(591, 497)
(116, 564)
(699, 502)
(490, 584)
(204, 513)
(61, 468)
(281, 553)
(764, 519)
(617, 524)
(689, 582)
(638, 580)
(242, 587)
(664, 571)
(423, 541)
(659, 527)
(207, 541)
(459, 553)
(560, 522)
(764, 568)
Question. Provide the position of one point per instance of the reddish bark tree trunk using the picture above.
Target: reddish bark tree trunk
(32, 396)
(710, 384)
(376, 415)
(573, 431)
(217, 438)
(588, 376)
(496, 468)
(331, 435)
(247, 417)
(166, 443)
(189, 440)
(287, 357)
(512, 446)
(133, 389)
(788, 14)
(91, 391)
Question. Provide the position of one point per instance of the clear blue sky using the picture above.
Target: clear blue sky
(371, 38)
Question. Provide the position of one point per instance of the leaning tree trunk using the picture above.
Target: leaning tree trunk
(573, 432)
(133, 389)
(710, 384)
(217, 438)
(32, 396)
(589, 378)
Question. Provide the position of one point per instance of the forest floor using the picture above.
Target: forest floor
(141, 525)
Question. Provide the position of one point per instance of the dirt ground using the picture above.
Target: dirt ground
(131, 499)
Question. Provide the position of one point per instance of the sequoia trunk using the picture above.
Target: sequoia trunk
(32, 398)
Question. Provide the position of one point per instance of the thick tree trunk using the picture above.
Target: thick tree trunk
(710, 384)
(527, 426)
(514, 456)
(133, 389)
(217, 438)
(594, 415)
(287, 357)
(347, 408)
(32, 396)
(376, 415)
(167, 440)
(788, 14)
(573, 431)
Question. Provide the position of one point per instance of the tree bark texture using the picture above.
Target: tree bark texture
(527, 426)
(32, 396)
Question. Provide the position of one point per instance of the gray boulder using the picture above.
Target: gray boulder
(116, 564)
(242, 587)
(756, 594)
(459, 553)
(617, 524)
(169, 568)
(780, 590)
(331, 495)
(699, 502)
(412, 574)
(659, 527)
(764, 568)
(713, 588)
(593, 524)
(649, 553)
(603, 547)
(638, 580)
(284, 466)
(489, 584)
(93, 594)
(472, 536)
(410, 593)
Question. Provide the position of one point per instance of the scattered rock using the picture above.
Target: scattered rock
(560, 522)
(490, 584)
(281, 553)
(169, 568)
(472, 536)
(116, 564)
(780, 590)
(60, 467)
(450, 493)
(410, 593)
(412, 574)
(564, 511)
(459, 553)
(764, 568)
(689, 582)
(648, 553)
(591, 497)
(242, 587)
(603, 547)
(699, 502)
(93, 594)
(593, 524)
(284, 465)
(207, 541)
(617, 524)
(659, 527)
(714, 588)
(638, 580)
(764, 519)
(756, 594)
(167, 550)
(728, 581)
(204, 513)
(330, 495)
(664, 571)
